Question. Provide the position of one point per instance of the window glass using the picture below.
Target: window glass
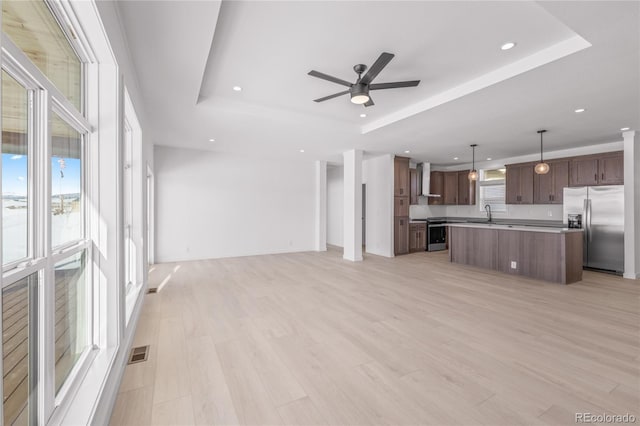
(66, 183)
(15, 170)
(71, 327)
(492, 190)
(34, 29)
(18, 355)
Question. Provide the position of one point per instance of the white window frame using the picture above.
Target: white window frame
(46, 99)
(485, 183)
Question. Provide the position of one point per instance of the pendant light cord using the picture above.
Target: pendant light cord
(541, 133)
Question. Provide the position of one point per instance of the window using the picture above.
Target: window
(66, 183)
(492, 189)
(45, 261)
(71, 321)
(18, 350)
(15, 170)
(35, 30)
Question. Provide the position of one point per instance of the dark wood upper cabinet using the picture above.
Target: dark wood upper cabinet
(450, 195)
(523, 186)
(560, 180)
(512, 184)
(466, 189)
(401, 176)
(436, 186)
(611, 169)
(413, 186)
(526, 183)
(519, 184)
(549, 188)
(583, 171)
(597, 169)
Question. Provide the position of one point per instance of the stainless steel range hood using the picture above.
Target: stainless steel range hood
(426, 181)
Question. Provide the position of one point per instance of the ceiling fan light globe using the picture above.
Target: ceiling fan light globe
(359, 99)
(542, 168)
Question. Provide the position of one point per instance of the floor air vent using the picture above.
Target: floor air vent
(139, 354)
(152, 291)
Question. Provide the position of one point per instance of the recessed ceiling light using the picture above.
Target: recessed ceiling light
(302, 150)
(624, 129)
(507, 46)
(237, 88)
(489, 159)
(455, 158)
(407, 152)
(212, 140)
(579, 110)
(363, 115)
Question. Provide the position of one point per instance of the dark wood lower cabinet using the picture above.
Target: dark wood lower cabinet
(548, 256)
(417, 237)
(472, 246)
(401, 235)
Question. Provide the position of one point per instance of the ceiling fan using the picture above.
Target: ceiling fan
(360, 89)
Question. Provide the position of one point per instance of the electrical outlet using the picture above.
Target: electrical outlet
(514, 264)
(549, 213)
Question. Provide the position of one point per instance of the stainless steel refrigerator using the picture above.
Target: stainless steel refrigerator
(599, 210)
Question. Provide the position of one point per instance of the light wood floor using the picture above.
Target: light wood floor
(310, 339)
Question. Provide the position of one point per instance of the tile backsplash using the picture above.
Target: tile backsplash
(532, 211)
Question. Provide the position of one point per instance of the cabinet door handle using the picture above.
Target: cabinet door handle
(603, 176)
(595, 177)
(401, 190)
(401, 202)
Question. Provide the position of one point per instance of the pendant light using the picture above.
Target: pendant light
(541, 168)
(473, 174)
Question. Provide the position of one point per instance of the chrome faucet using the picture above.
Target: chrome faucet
(487, 208)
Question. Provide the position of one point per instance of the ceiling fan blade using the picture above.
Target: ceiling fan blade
(395, 85)
(332, 79)
(335, 95)
(377, 66)
(369, 103)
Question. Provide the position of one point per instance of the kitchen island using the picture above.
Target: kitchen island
(544, 253)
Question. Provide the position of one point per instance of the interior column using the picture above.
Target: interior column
(353, 205)
(631, 204)
(321, 206)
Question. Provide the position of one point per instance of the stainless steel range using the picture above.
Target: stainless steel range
(436, 234)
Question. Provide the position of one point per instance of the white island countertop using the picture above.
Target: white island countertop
(498, 226)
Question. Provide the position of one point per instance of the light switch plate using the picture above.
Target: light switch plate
(514, 264)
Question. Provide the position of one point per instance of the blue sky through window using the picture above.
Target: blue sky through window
(14, 175)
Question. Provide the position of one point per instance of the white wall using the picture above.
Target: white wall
(335, 202)
(377, 174)
(213, 205)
